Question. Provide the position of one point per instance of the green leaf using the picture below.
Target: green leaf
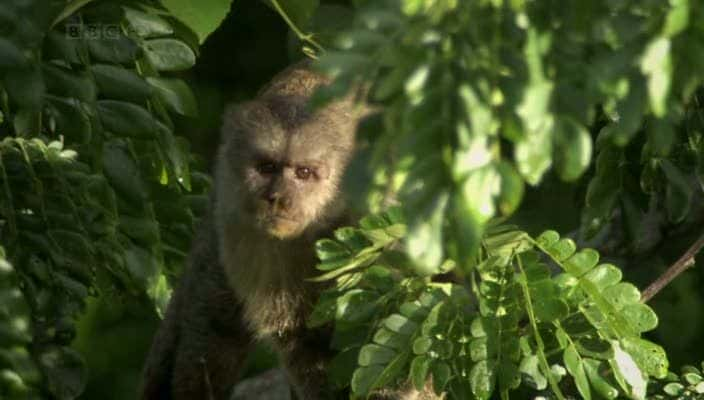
(169, 54)
(482, 379)
(414, 310)
(581, 262)
(176, 94)
(67, 83)
(507, 244)
(356, 305)
(373, 222)
(596, 373)
(622, 294)
(534, 150)
(127, 119)
(547, 239)
(594, 347)
(468, 228)
(400, 324)
(364, 377)
(324, 310)
(342, 366)
(392, 370)
(146, 24)
(627, 373)
(424, 242)
(604, 275)
(530, 366)
(650, 357)
(549, 309)
(677, 18)
(441, 375)
(678, 196)
(142, 265)
(435, 318)
(391, 339)
(159, 290)
(420, 367)
(674, 389)
(327, 249)
(573, 363)
(372, 354)
(122, 172)
(118, 50)
(656, 64)
(603, 190)
(352, 238)
(479, 189)
(202, 17)
(177, 152)
(562, 249)
(533, 154)
(357, 262)
(512, 188)
(573, 149)
(630, 113)
(422, 344)
(119, 83)
(641, 317)
(68, 117)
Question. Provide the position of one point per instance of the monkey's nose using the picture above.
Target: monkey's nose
(272, 197)
(278, 202)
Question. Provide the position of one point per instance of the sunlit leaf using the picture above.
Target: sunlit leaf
(656, 64)
(203, 18)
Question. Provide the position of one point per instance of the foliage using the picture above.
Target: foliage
(18, 373)
(481, 97)
(527, 327)
(688, 385)
(98, 195)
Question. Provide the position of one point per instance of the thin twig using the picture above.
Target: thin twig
(306, 37)
(684, 262)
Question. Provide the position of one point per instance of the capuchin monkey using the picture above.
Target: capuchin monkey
(277, 191)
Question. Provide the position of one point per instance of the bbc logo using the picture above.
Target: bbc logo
(93, 31)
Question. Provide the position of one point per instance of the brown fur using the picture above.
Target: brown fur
(265, 225)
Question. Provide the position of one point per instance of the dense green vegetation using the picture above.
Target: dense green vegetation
(500, 124)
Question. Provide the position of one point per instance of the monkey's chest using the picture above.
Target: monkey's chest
(275, 312)
(273, 290)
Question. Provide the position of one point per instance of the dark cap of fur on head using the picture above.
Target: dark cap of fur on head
(284, 104)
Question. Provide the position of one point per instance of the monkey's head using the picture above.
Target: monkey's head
(280, 165)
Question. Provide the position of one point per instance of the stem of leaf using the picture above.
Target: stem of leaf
(305, 37)
(538, 339)
(685, 261)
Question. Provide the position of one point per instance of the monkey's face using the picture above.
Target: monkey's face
(286, 166)
(286, 193)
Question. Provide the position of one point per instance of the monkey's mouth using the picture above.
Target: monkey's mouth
(280, 226)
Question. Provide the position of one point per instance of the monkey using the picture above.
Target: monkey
(278, 175)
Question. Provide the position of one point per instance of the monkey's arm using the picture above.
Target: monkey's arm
(202, 342)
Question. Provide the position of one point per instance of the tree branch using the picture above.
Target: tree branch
(685, 261)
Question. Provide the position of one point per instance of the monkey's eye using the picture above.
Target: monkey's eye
(303, 173)
(266, 167)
